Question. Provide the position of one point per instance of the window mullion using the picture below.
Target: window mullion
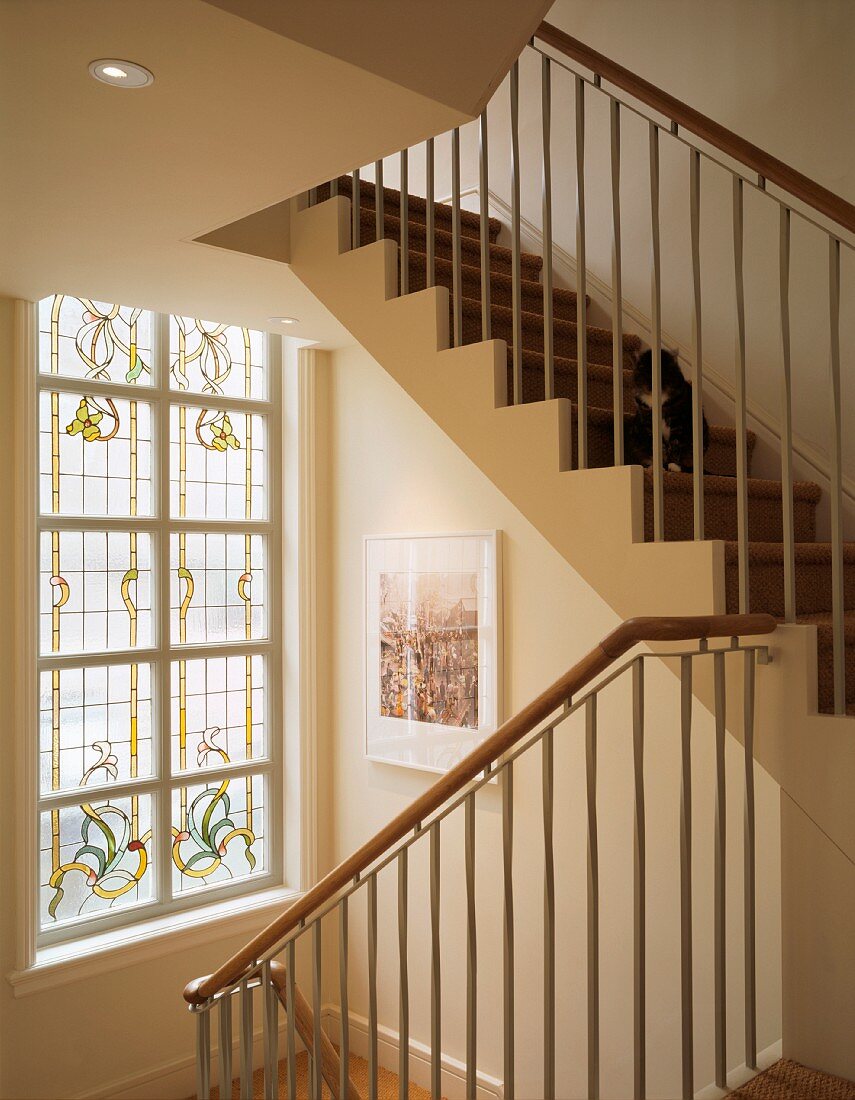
(164, 707)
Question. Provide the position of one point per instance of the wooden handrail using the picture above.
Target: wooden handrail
(798, 185)
(614, 645)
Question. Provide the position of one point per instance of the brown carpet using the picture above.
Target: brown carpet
(766, 566)
(788, 1080)
(387, 1082)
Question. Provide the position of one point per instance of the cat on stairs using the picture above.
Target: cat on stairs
(677, 436)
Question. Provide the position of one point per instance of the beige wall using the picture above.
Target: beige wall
(390, 469)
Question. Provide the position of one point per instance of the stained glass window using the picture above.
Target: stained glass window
(150, 550)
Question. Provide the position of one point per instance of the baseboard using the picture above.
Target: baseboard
(742, 1074)
(453, 1071)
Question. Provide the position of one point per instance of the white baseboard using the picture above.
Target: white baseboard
(742, 1074)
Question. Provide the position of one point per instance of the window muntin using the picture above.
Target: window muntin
(169, 507)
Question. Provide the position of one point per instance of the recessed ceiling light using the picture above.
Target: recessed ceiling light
(120, 74)
(282, 320)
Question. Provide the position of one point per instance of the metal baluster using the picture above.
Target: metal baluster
(435, 969)
(516, 289)
(379, 201)
(656, 339)
(639, 898)
(405, 222)
(617, 284)
(317, 1051)
(291, 1018)
(720, 958)
(787, 426)
(750, 867)
(581, 284)
(456, 261)
(226, 1045)
(245, 1041)
(697, 381)
(404, 1005)
(508, 941)
(740, 395)
(593, 902)
(355, 198)
(203, 1054)
(313, 196)
(344, 1028)
(372, 988)
(548, 920)
(471, 953)
(836, 480)
(430, 212)
(271, 1035)
(548, 347)
(334, 188)
(484, 201)
(686, 952)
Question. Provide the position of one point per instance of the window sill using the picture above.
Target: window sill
(152, 939)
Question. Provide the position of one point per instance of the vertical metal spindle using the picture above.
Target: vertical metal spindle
(271, 1035)
(471, 952)
(750, 868)
(372, 988)
(404, 983)
(334, 187)
(435, 969)
(313, 196)
(617, 284)
(548, 345)
(697, 381)
(516, 288)
(740, 396)
(317, 1051)
(639, 892)
(581, 284)
(344, 1028)
(836, 480)
(379, 201)
(593, 901)
(656, 339)
(787, 425)
(430, 212)
(484, 202)
(456, 261)
(720, 958)
(291, 1018)
(245, 1041)
(356, 214)
(686, 951)
(548, 919)
(203, 1054)
(225, 1034)
(405, 222)
(508, 940)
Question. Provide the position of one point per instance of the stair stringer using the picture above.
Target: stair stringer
(593, 518)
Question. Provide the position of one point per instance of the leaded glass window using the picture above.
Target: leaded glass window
(157, 518)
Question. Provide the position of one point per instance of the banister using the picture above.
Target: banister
(614, 645)
(770, 168)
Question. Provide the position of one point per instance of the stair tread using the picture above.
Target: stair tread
(631, 342)
(559, 294)
(723, 485)
(806, 553)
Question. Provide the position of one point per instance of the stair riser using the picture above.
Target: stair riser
(564, 339)
(766, 586)
(826, 675)
(720, 522)
(501, 293)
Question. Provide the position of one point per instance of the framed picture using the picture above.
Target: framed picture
(433, 632)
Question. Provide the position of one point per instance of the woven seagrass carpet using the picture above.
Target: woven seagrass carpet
(787, 1080)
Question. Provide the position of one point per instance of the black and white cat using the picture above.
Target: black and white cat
(677, 433)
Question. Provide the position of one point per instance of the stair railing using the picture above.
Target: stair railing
(266, 969)
(751, 169)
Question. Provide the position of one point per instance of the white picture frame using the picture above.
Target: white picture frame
(433, 646)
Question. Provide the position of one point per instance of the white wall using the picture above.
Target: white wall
(388, 468)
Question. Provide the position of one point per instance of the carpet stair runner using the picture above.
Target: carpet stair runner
(765, 530)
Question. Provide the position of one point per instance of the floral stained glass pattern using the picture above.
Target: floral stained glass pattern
(217, 587)
(98, 341)
(217, 712)
(217, 832)
(217, 463)
(95, 591)
(95, 725)
(222, 360)
(94, 455)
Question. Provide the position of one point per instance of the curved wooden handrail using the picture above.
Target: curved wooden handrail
(614, 645)
(798, 185)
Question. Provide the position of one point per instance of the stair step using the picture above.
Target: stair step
(822, 621)
(563, 334)
(470, 247)
(470, 223)
(720, 522)
(766, 577)
(600, 381)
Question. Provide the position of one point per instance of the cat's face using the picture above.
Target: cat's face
(672, 376)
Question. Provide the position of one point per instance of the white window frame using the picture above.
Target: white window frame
(285, 869)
